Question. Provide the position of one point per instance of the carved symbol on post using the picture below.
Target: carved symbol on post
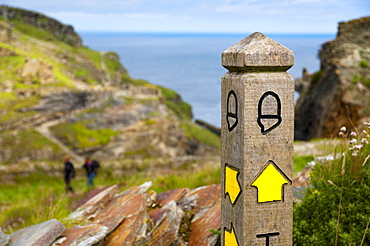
(230, 237)
(232, 111)
(232, 186)
(270, 184)
(269, 110)
(267, 236)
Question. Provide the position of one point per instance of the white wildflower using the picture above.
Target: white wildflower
(343, 129)
(353, 141)
(353, 134)
(364, 141)
(359, 146)
(341, 134)
(354, 153)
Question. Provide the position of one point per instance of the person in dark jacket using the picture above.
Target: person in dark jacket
(91, 168)
(69, 173)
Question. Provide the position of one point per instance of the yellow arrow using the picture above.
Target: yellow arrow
(270, 184)
(230, 237)
(232, 186)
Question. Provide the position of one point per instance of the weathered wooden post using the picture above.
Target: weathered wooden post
(257, 143)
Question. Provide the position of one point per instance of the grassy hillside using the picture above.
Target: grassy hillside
(47, 75)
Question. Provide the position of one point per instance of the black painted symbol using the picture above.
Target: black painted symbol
(267, 236)
(232, 111)
(269, 112)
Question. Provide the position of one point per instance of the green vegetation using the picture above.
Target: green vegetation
(174, 102)
(33, 31)
(356, 79)
(335, 211)
(300, 162)
(21, 209)
(25, 144)
(93, 56)
(9, 66)
(316, 76)
(362, 77)
(112, 63)
(10, 107)
(77, 135)
(364, 63)
(193, 131)
(181, 109)
(169, 94)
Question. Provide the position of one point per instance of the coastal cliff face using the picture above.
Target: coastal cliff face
(64, 33)
(58, 97)
(337, 95)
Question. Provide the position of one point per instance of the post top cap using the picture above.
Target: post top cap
(257, 52)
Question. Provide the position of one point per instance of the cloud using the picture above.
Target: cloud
(87, 15)
(201, 15)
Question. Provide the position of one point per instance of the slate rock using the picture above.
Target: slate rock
(171, 195)
(119, 208)
(200, 227)
(37, 235)
(133, 227)
(166, 233)
(4, 238)
(207, 196)
(94, 205)
(82, 235)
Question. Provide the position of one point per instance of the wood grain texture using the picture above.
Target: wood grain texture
(248, 148)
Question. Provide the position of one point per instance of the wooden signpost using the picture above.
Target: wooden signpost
(257, 143)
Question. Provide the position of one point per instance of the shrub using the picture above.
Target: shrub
(364, 63)
(335, 210)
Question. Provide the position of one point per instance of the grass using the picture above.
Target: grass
(24, 144)
(193, 131)
(80, 136)
(112, 64)
(93, 56)
(300, 163)
(33, 31)
(181, 109)
(174, 102)
(10, 105)
(335, 208)
(24, 210)
(20, 208)
(9, 66)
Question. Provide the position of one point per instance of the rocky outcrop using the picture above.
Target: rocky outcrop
(41, 234)
(135, 216)
(70, 99)
(338, 95)
(60, 31)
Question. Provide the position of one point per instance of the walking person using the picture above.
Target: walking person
(91, 168)
(69, 173)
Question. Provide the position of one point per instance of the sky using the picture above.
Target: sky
(200, 16)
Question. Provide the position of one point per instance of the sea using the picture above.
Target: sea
(190, 64)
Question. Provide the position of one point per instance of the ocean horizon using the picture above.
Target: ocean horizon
(190, 63)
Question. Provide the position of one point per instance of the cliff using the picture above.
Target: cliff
(58, 97)
(59, 31)
(337, 95)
